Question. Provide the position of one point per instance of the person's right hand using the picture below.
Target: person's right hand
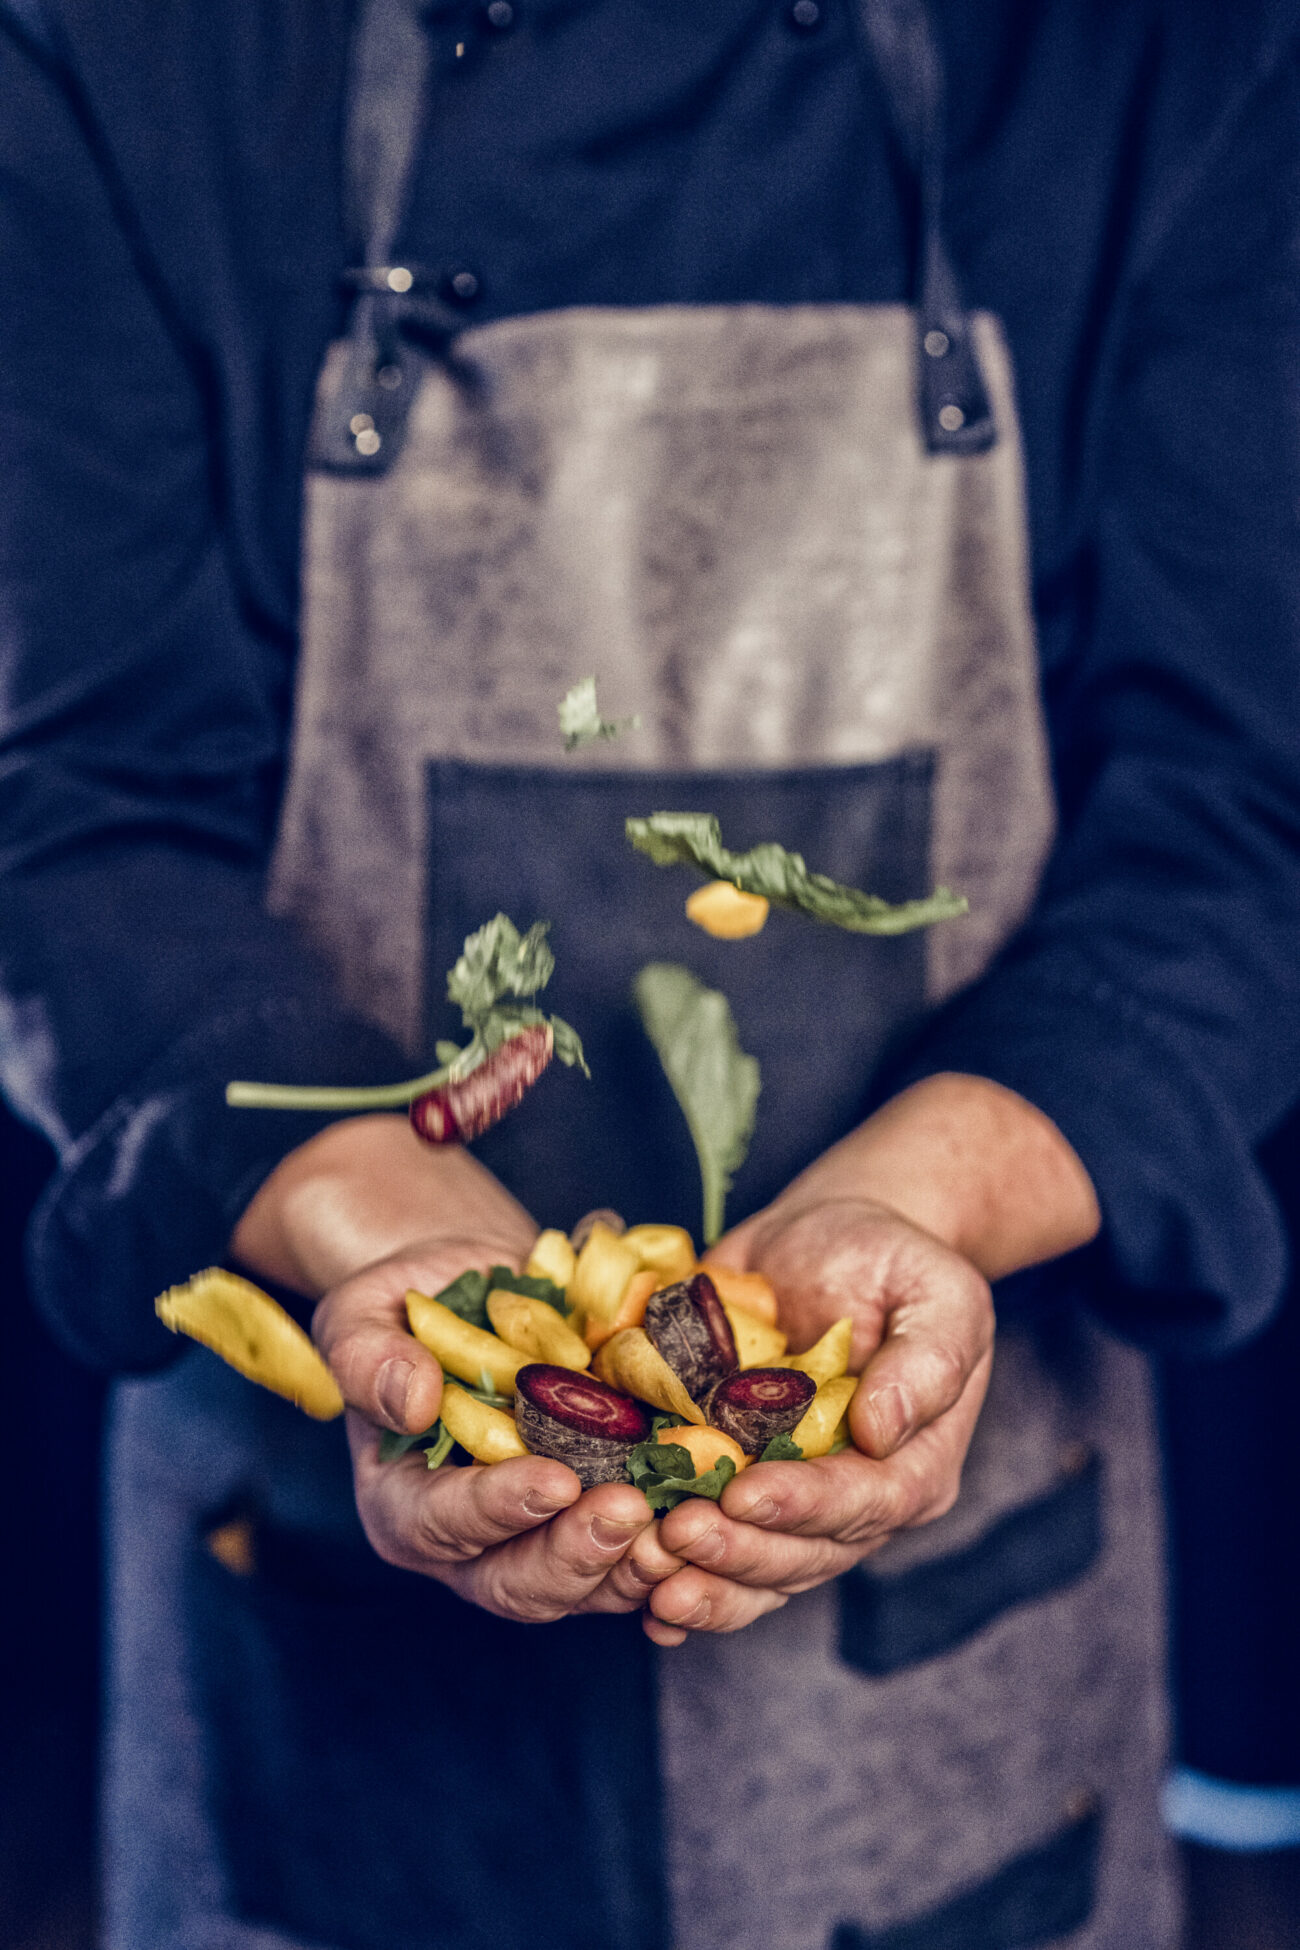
(360, 1214)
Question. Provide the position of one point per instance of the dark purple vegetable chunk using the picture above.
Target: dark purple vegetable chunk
(687, 1325)
(577, 1420)
(759, 1403)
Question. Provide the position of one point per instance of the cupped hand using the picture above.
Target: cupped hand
(923, 1336)
(520, 1538)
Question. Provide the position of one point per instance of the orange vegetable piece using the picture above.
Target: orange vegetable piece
(751, 1291)
(706, 1447)
(631, 1309)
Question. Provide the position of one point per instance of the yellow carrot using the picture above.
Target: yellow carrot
(629, 1362)
(757, 1344)
(827, 1357)
(488, 1433)
(535, 1329)
(463, 1350)
(817, 1431)
(253, 1333)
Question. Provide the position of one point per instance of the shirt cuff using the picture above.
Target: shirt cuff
(1192, 1257)
(151, 1193)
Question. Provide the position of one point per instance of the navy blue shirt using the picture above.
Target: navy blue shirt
(1121, 189)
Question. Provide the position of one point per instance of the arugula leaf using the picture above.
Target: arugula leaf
(497, 960)
(533, 1285)
(782, 1448)
(695, 839)
(392, 1445)
(485, 1392)
(667, 1421)
(665, 1474)
(580, 719)
(713, 1080)
(467, 1296)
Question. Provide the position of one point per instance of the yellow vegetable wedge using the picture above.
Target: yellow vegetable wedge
(632, 1363)
(605, 1265)
(465, 1351)
(821, 1421)
(726, 911)
(666, 1250)
(757, 1344)
(826, 1358)
(488, 1433)
(253, 1333)
(536, 1330)
(552, 1258)
(751, 1291)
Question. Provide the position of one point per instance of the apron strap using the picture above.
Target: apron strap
(360, 425)
(956, 414)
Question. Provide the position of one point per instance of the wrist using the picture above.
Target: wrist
(360, 1190)
(974, 1164)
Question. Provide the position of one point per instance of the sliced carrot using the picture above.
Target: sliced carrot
(706, 1447)
(751, 1291)
(631, 1309)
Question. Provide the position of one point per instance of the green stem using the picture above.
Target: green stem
(715, 1199)
(311, 1096)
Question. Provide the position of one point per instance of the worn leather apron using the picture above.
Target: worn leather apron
(792, 539)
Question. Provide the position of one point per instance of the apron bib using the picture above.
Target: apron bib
(816, 597)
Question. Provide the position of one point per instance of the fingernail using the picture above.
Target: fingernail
(766, 1510)
(708, 1547)
(609, 1531)
(537, 1504)
(893, 1415)
(392, 1388)
(699, 1614)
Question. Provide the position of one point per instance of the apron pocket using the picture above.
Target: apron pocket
(819, 1008)
(389, 1765)
(1039, 1897)
(891, 1621)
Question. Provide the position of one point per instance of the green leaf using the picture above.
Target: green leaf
(665, 1474)
(436, 1456)
(667, 1421)
(392, 1445)
(840, 1443)
(782, 1448)
(713, 1080)
(485, 1392)
(497, 960)
(580, 719)
(533, 1285)
(568, 1045)
(467, 1296)
(695, 839)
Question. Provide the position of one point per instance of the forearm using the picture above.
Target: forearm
(362, 1189)
(972, 1163)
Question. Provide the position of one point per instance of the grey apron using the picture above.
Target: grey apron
(805, 568)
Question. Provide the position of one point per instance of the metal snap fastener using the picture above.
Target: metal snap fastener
(399, 278)
(389, 377)
(368, 442)
(937, 344)
(951, 419)
(499, 15)
(462, 286)
(360, 423)
(805, 15)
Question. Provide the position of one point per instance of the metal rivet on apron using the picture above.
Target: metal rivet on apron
(806, 14)
(360, 423)
(1074, 1458)
(951, 419)
(399, 278)
(937, 344)
(499, 14)
(389, 377)
(368, 442)
(462, 286)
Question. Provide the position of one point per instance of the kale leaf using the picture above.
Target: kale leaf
(665, 1474)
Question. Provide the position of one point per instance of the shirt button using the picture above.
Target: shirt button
(462, 285)
(500, 15)
(805, 15)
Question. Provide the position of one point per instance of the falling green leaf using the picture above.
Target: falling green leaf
(695, 839)
(580, 719)
(713, 1080)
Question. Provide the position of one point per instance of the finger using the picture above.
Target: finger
(381, 1368)
(702, 1535)
(628, 1585)
(696, 1601)
(426, 1521)
(660, 1634)
(552, 1571)
(934, 1340)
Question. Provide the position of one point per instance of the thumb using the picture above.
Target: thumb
(379, 1365)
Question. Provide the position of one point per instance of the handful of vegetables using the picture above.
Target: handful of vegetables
(623, 1358)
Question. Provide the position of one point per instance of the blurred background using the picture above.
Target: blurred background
(1234, 1490)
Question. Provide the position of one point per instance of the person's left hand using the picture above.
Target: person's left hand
(923, 1327)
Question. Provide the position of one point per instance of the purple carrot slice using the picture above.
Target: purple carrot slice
(457, 1112)
(758, 1403)
(686, 1323)
(578, 1420)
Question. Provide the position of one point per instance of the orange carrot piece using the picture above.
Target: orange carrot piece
(751, 1291)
